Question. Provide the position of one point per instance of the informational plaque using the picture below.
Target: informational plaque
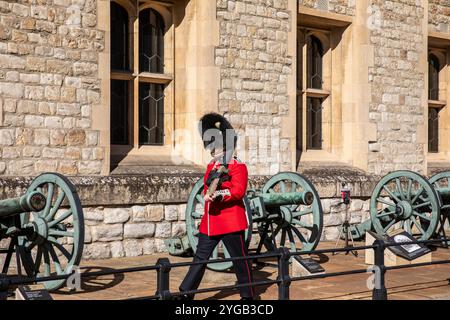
(305, 267)
(32, 292)
(408, 250)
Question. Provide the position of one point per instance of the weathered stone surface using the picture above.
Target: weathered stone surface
(97, 251)
(105, 233)
(133, 248)
(118, 215)
(171, 213)
(117, 249)
(163, 230)
(139, 230)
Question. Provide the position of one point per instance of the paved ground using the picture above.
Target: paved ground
(417, 283)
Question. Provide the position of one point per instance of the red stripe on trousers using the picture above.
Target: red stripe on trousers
(246, 263)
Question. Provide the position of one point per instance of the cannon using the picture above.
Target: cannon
(45, 228)
(286, 212)
(407, 200)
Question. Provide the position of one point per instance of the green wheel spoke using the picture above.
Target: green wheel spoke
(55, 259)
(417, 225)
(291, 240)
(388, 213)
(390, 224)
(59, 233)
(303, 225)
(300, 235)
(47, 268)
(297, 214)
(388, 203)
(283, 238)
(61, 218)
(197, 215)
(418, 194)
(425, 204)
(408, 193)
(48, 203)
(271, 190)
(200, 199)
(282, 187)
(276, 231)
(37, 262)
(421, 215)
(60, 247)
(56, 206)
(446, 207)
(400, 189)
(294, 186)
(391, 194)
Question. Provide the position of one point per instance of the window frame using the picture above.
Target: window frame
(441, 103)
(305, 91)
(135, 77)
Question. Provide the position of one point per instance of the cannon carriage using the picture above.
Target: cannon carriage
(45, 228)
(286, 212)
(407, 200)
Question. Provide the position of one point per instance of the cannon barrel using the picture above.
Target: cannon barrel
(33, 201)
(288, 198)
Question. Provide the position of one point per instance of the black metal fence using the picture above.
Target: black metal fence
(163, 268)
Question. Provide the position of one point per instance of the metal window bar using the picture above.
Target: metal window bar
(283, 279)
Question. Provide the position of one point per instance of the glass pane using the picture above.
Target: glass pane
(433, 78)
(151, 41)
(119, 38)
(119, 112)
(315, 63)
(314, 128)
(151, 114)
(433, 130)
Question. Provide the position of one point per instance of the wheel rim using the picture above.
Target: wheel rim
(442, 181)
(299, 225)
(194, 214)
(56, 245)
(405, 200)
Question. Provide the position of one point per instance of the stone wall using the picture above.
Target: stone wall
(397, 87)
(254, 69)
(439, 15)
(48, 87)
(346, 7)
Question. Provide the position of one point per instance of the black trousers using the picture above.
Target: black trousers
(235, 244)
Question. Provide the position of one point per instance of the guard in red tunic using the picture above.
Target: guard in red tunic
(225, 218)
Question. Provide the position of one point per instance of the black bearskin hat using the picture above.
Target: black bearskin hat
(218, 133)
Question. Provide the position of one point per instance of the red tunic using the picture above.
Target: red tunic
(228, 215)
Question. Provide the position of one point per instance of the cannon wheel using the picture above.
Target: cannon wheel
(303, 223)
(194, 213)
(405, 199)
(56, 245)
(441, 181)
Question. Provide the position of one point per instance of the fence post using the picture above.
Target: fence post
(283, 274)
(379, 292)
(162, 277)
(4, 286)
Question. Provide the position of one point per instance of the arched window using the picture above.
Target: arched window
(433, 77)
(120, 38)
(151, 41)
(315, 63)
(119, 87)
(138, 88)
(314, 102)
